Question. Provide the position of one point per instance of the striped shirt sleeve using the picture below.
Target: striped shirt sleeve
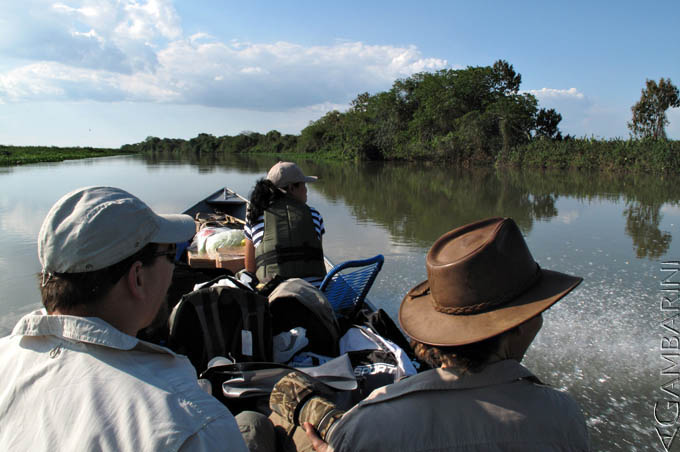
(318, 222)
(254, 232)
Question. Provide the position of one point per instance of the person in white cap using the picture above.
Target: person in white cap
(74, 376)
(284, 234)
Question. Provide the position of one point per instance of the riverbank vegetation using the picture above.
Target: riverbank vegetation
(472, 117)
(19, 155)
(647, 155)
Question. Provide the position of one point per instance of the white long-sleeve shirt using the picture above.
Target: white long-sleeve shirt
(72, 383)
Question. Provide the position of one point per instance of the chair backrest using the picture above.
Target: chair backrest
(347, 284)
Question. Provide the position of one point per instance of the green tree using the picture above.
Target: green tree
(547, 122)
(506, 80)
(458, 115)
(649, 113)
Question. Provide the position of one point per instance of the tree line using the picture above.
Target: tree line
(21, 155)
(475, 115)
(459, 115)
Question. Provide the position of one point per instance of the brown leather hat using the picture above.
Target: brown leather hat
(482, 281)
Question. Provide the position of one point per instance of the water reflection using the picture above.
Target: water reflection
(419, 202)
(642, 224)
(208, 162)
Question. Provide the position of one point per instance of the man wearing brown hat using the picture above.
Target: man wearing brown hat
(74, 375)
(472, 320)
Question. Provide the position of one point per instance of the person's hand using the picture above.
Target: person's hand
(318, 444)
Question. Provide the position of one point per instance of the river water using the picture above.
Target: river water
(602, 343)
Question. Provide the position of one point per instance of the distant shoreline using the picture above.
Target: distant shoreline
(632, 155)
(22, 155)
(652, 156)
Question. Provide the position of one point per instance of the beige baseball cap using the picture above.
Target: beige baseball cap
(285, 173)
(94, 227)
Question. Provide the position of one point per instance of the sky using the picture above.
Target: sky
(105, 73)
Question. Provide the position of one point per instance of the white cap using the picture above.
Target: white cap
(285, 173)
(95, 227)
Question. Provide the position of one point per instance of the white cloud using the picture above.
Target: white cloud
(583, 115)
(55, 81)
(132, 19)
(90, 34)
(134, 51)
(143, 21)
(673, 128)
(97, 34)
(282, 74)
(552, 93)
(85, 11)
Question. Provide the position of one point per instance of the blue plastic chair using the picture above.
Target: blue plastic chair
(347, 284)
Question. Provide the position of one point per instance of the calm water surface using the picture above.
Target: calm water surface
(602, 343)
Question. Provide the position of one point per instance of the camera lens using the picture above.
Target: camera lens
(321, 413)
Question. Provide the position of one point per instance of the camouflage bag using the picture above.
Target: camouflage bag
(298, 398)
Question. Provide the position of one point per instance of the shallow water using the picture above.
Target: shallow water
(602, 343)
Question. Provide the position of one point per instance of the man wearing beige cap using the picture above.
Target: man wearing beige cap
(74, 376)
(472, 320)
(284, 234)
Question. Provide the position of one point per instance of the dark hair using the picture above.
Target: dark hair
(64, 291)
(469, 357)
(263, 195)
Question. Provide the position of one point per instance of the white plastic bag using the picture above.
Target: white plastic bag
(201, 237)
(224, 239)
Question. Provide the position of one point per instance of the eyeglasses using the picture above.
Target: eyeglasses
(169, 254)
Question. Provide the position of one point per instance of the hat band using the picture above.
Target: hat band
(491, 304)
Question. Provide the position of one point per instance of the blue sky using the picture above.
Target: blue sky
(107, 72)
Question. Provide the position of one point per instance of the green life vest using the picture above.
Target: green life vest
(290, 245)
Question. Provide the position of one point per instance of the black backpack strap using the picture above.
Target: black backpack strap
(211, 303)
(244, 303)
(253, 306)
(260, 311)
(201, 304)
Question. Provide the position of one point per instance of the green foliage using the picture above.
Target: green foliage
(649, 113)
(19, 155)
(507, 81)
(546, 124)
(465, 116)
(647, 155)
(205, 145)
